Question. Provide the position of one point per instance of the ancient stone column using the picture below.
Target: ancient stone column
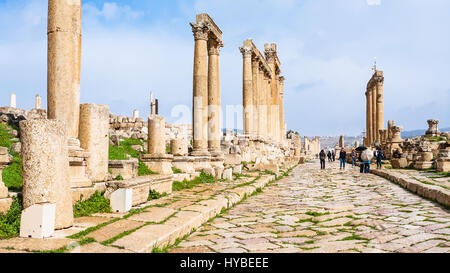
(247, 87)
(368, 118)
(135, 114)
(38, 102)
(93, 135)
(46, 167)
(64, 60)
(179, 147)
(267, 120)
(380, 103)
(157, 159)
(156, 135)
(12, 100)
(374, 112)
(262, 128)
(214, 111)
(369, 114)
(200, 90)
(341, 142)
(255, 97)
(281, 105)
(433, 130)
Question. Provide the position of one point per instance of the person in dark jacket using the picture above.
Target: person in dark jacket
(342, 158)
(322, 157)
(334, 156)
(329, 156)
(379, 158)
(353, 155)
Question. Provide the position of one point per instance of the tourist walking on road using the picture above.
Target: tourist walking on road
(342, 158)
(329, 156)
(379, 157)
(322, 157)
(334, 156)
(353, 155)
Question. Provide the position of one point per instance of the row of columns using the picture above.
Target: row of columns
(262, 93)
(13, 102)
(374, 108)
(206, 90)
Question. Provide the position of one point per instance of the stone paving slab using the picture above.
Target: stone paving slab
(113, 229)
(35, 245)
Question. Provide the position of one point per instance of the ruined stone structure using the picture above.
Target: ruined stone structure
(433, 130)
(5, 200)
(38, 102)
(206, 89)
(374, 108)
(263, 93)
(157, 159)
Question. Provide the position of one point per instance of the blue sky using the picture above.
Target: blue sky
(326, 48)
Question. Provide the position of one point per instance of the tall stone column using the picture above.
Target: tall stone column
(38, 102)
(64, 60)
(214, 110)
(282, 122)
(12, 100)
(266, 117)
(368, 118)
(46, 167)
(200, 90)
(262, 128)
(380, 105)
(255, 97)
(94, 127)
(247, 90)
(369, 114)
(374, 112)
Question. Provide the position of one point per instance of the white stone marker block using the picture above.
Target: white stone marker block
(237, 169)
(228, 174)
(121, 200)
(38, 221)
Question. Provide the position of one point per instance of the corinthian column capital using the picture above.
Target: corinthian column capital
(246, 52)
(200, 30)
(214, 46)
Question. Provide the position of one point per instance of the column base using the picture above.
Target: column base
(160, 163)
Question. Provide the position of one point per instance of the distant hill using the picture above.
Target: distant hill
(414, 133)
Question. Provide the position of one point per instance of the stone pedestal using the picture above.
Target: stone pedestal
(425, 161)
(126, 168)
(184, 163)
(443, 161)
(78, 165)
(46, 168)
(161, 164)
(93, 137)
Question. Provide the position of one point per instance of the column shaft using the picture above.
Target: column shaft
(369, 116)
(380, 108)
(374, 113)
(64, 60)
(200, 91)
(214, 111)
(255, 93)
(247, 90)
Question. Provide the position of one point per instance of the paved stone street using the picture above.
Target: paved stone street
(327, 211)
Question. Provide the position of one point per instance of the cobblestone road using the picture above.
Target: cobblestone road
(327, 211)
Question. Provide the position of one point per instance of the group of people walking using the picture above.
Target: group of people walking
(364, 159)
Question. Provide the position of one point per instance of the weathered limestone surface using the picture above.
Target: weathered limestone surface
(64, 63)
(46, 167)
(93, 135)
